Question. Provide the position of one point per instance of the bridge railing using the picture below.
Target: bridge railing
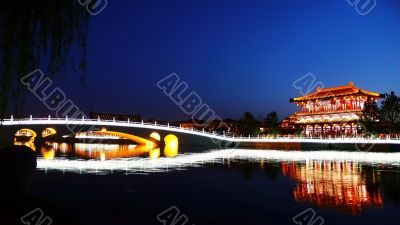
(193, 130)
(155, 124)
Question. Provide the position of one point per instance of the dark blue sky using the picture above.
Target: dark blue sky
(238, 55)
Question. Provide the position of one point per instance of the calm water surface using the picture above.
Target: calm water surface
(128, 184)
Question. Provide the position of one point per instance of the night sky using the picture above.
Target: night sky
(237, 55)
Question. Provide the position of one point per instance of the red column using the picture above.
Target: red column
(351, 129)
(313, 130)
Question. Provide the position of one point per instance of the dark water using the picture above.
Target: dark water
(93, 184)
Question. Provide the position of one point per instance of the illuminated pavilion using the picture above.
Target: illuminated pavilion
(332, 111)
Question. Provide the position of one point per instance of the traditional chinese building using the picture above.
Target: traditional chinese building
(332, 111)
(288, 125)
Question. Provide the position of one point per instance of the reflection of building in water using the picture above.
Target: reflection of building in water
(327, 183)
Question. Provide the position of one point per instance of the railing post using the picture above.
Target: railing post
(128, 120)
(180, 126)
(98, 119)
(168, 125)
(203, 130)
(30, 117)
(66, 118)
(113, 119)
(142, 122)
(49, 117)
(83, 118)
(155, 123)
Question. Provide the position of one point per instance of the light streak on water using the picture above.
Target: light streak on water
(186, 161)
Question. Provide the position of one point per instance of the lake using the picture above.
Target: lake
(126, 184)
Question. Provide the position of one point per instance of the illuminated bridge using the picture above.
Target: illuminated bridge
(146, 133)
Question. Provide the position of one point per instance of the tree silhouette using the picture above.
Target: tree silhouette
(382, 120)
(248, 125)
(37, 33)
(390, 112)
(271, 123)
(370, 117)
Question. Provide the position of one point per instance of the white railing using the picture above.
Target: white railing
(168, 127)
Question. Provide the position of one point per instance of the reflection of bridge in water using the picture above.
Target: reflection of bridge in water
(140, 133)
(349, 182)
(102, 152)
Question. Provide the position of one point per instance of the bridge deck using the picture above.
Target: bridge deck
(155, 126)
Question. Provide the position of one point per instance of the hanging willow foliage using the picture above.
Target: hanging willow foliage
(34, 33)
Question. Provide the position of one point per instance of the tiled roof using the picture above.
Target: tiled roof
(348, 89)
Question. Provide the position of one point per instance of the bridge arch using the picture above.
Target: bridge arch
(48, 132)
(156, 136)
(139, 140)
(23, 133)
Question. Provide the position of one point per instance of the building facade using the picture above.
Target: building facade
(288, 125)
(227, 126)
(332, 111)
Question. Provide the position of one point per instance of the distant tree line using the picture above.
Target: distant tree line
(249, 125)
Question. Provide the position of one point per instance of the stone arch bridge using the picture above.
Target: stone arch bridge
(140, 133)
